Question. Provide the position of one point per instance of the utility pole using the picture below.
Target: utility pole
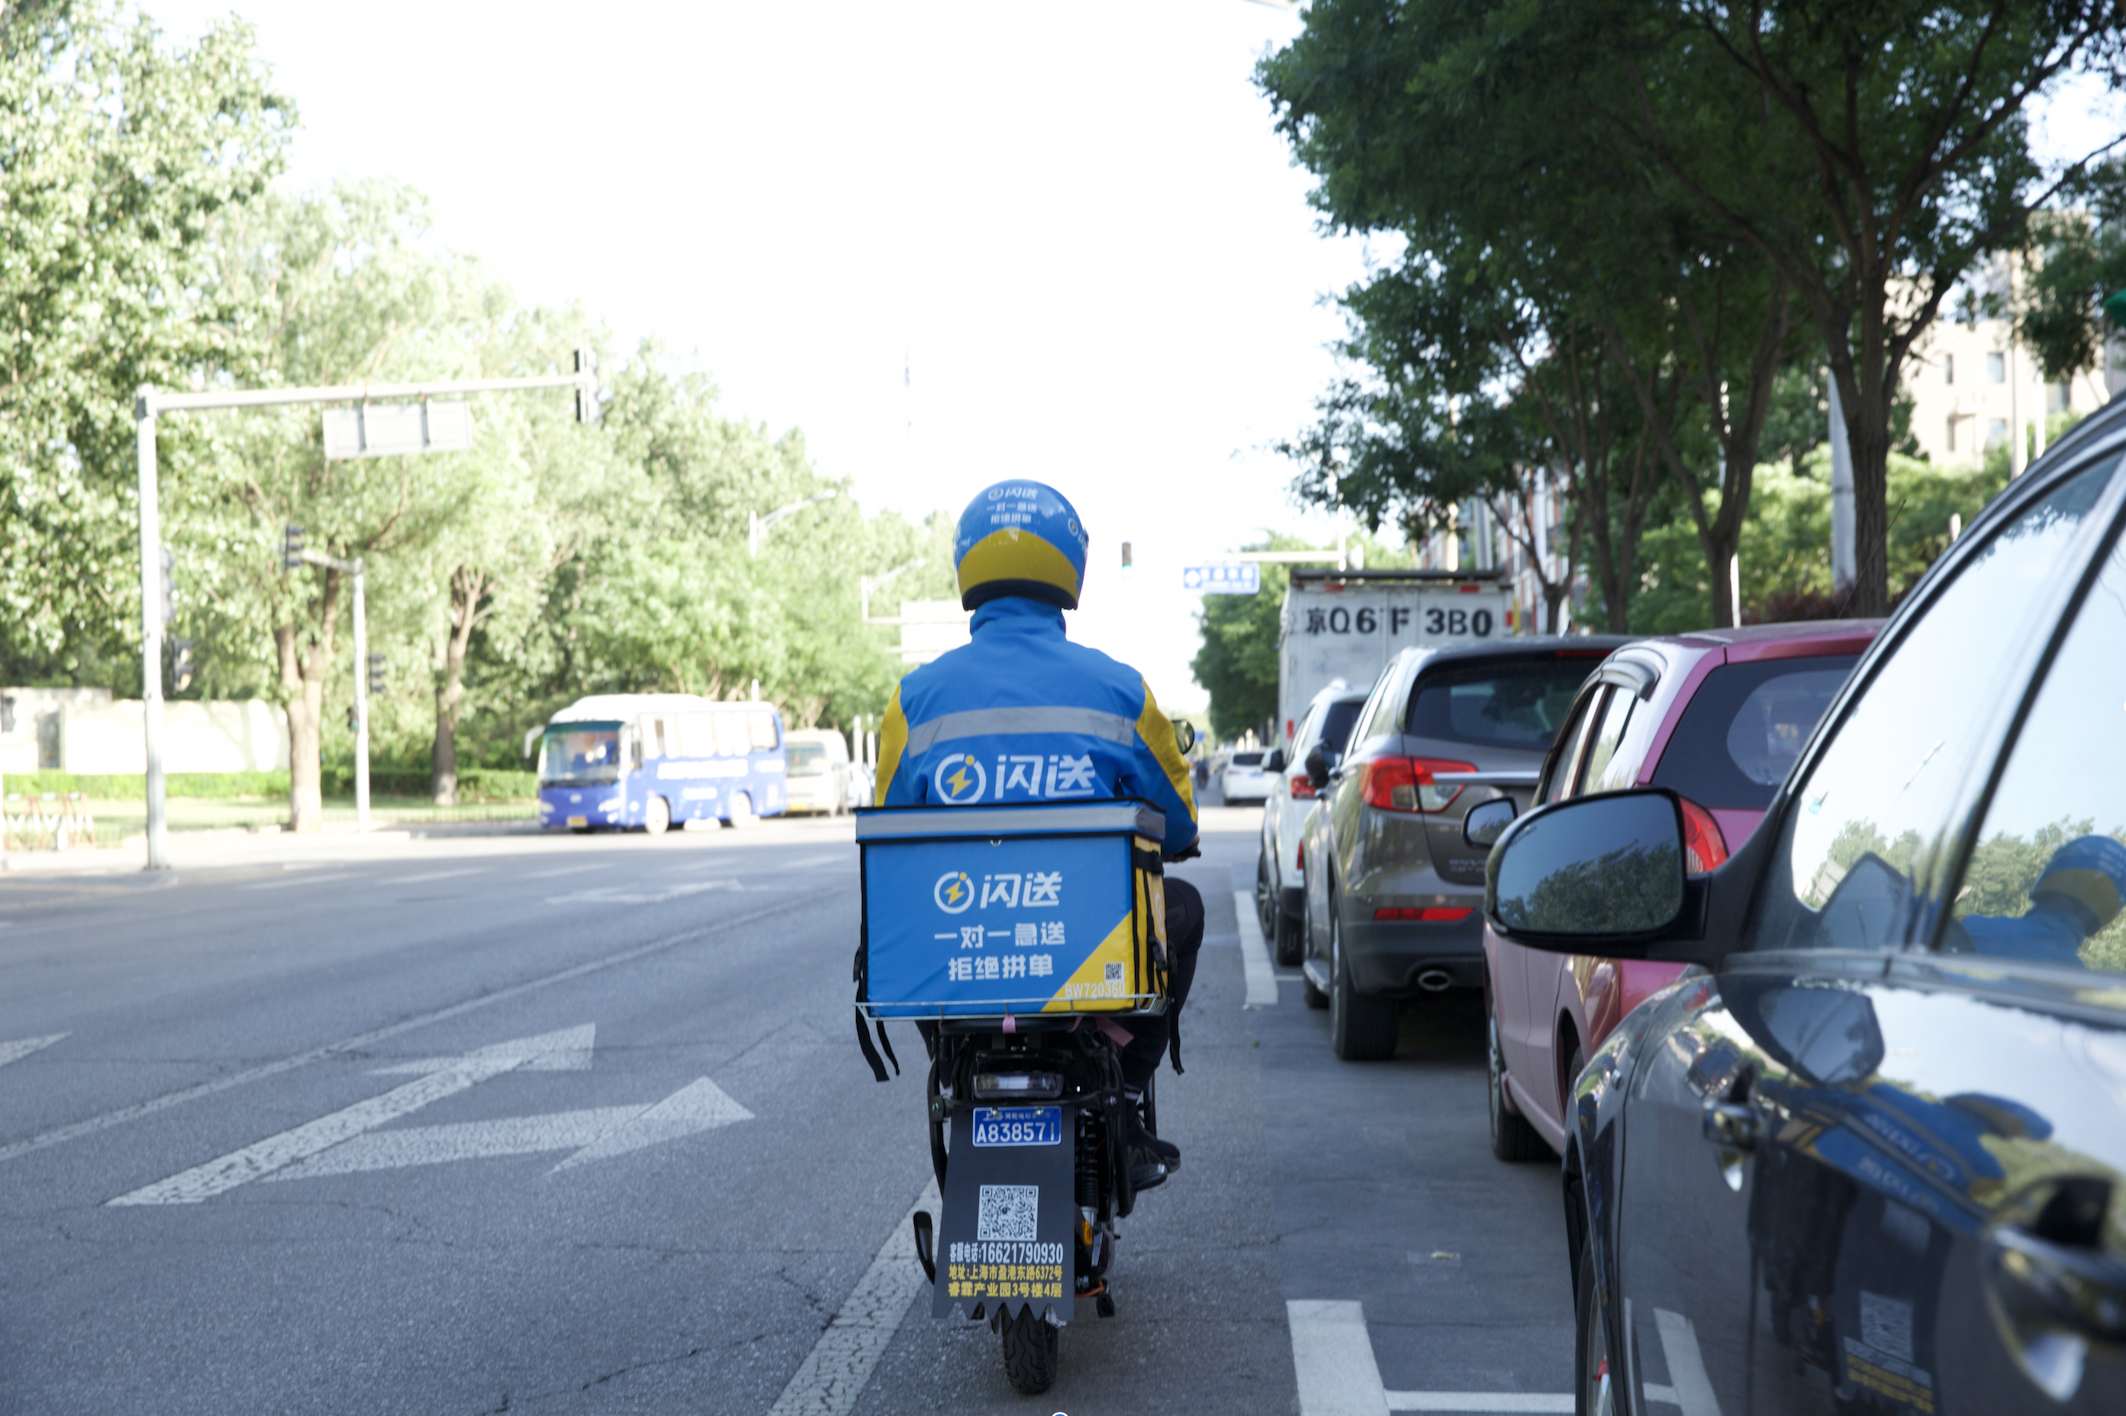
(1844, 564)
(150, 404)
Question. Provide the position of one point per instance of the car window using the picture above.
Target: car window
(1745, 727)
(1519, 703)
(1335, 723)
(1366, 724)
(1602, 746)
(1872, 813)
(1247, 759)
(2047, 875)
(1558, 784)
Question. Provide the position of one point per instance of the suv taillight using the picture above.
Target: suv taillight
(1406, 784)
(1301, 786)
(1704, 848)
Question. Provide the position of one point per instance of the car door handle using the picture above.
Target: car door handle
(2072, 1286)
(1732, 1125)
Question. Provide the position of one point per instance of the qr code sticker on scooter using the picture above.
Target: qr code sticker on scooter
(1114, 973)
(1009, 1214)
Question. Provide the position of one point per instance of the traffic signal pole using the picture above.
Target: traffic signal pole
(151, 404)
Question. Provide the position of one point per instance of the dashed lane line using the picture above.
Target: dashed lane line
(140, 1109)
(1254, 954)
(424, 878)
(833, 1374)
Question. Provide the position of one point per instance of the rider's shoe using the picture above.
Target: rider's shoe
(1146, 1170)
(1141, 1138)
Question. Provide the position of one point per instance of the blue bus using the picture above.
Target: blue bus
(645, 761)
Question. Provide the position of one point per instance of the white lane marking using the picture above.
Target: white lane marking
(297, 880)
(75, 1130)
(1254, 954)
(1686, 1365)
(1667, 1394)
(204, 1182)
(833, 1374)
(623, 895)
(1331, 1353)
(22, 1047)
(568, 870)
(596, 1133)
(434, 875)
(1481, 1401)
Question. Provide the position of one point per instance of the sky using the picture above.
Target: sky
(949, 242)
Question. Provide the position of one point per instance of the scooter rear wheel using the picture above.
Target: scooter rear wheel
(1031, 1351)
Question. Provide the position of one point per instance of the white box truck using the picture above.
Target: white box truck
(1347, 624)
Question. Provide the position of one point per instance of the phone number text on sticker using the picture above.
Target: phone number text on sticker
(1018, 1126)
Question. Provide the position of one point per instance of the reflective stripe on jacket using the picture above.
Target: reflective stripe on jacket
(1023, 714)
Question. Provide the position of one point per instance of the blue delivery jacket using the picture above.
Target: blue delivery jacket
(1023, 714)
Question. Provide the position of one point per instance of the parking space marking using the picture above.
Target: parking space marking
(22, 1047)
(1332, 1355)
(833, 1374)
(1254, 954)
(1692, 1389)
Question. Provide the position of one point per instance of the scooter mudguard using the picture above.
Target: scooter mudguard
(1006, 1237)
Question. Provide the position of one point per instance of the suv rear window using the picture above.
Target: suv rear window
(1520, 703)
(1336, 721)
(1247, 759)
(1744, 727)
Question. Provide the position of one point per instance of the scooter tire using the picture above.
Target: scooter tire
(1032, 1349)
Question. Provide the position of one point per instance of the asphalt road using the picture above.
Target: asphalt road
(515, 1123)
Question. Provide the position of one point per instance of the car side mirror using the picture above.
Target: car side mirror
(1275, 761)
(1185, 736)
(1318, 769)
(1486, 822)
(1594, 875)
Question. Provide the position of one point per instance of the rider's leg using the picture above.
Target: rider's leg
(1150, 1037)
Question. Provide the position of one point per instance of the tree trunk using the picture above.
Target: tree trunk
(302, 672)
(466, 589)
(1866, 387)
(1554, 605)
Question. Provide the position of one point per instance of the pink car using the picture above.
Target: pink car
(1718, 717)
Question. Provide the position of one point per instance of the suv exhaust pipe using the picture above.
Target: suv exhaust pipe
(1435, 980)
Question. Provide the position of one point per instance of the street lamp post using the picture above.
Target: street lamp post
(757, 525)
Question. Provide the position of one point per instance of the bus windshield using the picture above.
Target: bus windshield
(580, 754)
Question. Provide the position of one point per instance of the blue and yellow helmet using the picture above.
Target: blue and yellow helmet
(1020, 538)
(2088, 875)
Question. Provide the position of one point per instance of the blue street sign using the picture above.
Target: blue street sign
(1240, 578)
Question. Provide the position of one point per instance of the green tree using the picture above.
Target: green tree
(119, 152)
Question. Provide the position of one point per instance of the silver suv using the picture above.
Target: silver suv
(1280, 893)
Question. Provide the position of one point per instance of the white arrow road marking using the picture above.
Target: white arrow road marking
(833, 1374)
(622, 895)
(1254, 954)
(1332, 1355)
(22, 1047)
(594, 1134)
(571, 1056)
(203, 1182)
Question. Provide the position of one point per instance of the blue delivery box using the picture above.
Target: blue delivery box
(981, 911)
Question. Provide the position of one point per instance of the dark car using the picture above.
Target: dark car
(1393, 891)
(1870, 1155)
(1720, 716)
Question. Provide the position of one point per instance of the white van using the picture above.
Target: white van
(817, 762)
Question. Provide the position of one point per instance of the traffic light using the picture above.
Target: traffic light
(376, 675)
(292, 548)
(167, 588)
(182, 668)
(587, 388)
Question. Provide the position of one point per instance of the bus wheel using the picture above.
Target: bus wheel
(656, 815)
(741, 812)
